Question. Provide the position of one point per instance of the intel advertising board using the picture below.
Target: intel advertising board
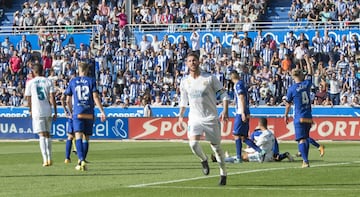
(21, 128)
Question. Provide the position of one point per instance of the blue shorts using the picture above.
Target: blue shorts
(241, 128)
(83, 125)
(302, 130)
(69, 126)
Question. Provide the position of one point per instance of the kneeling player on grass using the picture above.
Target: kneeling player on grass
(265, 139)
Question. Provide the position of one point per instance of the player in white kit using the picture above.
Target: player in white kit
(199, 90)
(264, 139)
(40, 94)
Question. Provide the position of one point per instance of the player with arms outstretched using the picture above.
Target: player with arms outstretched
(82, 95)
(299, 95)
(198, 90)
(40, 95)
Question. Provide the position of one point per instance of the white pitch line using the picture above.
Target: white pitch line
(236, 173)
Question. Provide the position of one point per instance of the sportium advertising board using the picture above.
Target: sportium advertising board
(322, 129)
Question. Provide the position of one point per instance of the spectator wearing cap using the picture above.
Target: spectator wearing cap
(17, 21)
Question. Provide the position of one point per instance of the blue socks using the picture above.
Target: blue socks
(304, 150)
(238, 145)
(79, 147)
(252, 145)
(313, 142)
(85, 144)
(68, 148)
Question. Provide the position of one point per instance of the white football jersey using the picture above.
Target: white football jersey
(39, 88)
(200, 95)
(265, 140)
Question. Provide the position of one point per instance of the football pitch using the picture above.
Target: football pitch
(152, 168)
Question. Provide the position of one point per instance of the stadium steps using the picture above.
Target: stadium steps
(277, 11)
(8, 16)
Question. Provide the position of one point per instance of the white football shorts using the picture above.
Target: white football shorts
(41, 124)
(212, 130)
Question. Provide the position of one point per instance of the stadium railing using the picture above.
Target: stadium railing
(230, 27)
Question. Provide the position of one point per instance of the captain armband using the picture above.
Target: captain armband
(222, 95)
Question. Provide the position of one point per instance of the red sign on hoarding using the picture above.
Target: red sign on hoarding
(322, 129)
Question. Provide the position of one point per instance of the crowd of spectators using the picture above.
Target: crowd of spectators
(335, 14)
(125, 71)
(199, 13)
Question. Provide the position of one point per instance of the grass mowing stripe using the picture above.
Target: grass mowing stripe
(236, 173)
(255, 188)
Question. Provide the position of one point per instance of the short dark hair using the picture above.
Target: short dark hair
(263, 122)
(37, 68)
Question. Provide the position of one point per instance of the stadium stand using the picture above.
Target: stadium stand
(147, 55)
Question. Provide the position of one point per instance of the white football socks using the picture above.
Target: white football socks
(220, 157)
(43, 148)
(197, 150)
(48, 148)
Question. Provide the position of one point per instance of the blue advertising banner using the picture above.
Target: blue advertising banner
(34, 39)
(118, 112)
(225, 37)
(21, 128)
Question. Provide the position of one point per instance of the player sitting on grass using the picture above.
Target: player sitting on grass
(265, 139)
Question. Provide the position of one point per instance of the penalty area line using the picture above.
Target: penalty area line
(236, 173)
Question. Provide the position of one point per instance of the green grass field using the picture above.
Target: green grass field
(170, 169)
